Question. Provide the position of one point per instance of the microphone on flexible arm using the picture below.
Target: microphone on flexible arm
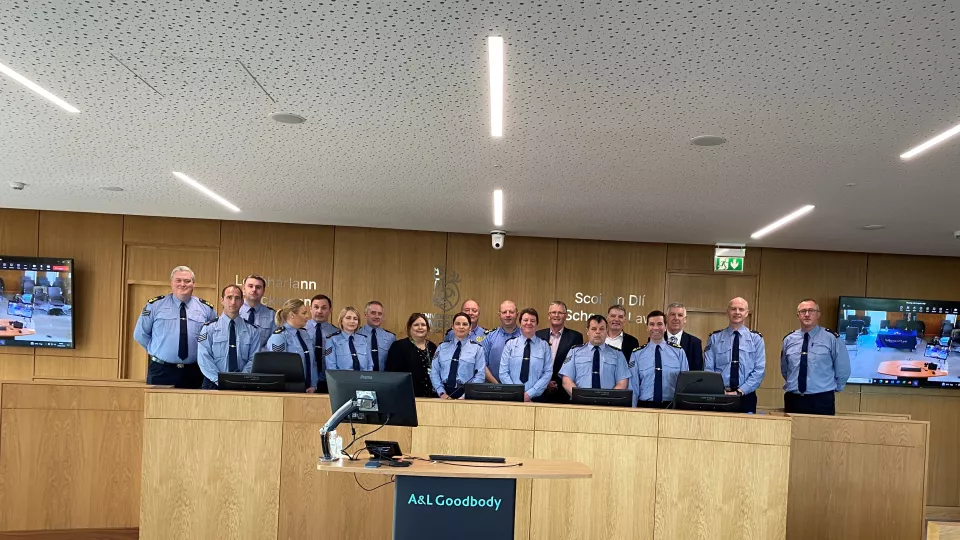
(459, 390)
(673, 402)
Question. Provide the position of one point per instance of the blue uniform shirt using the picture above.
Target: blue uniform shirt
(326, 329)
(718, 354)
(338, 355)
(493, 345)
(284, 339)
(158, 328)
(213, 346)
(472, 367)
(475, 334)
(263, 318)
(642, 366)
(385, 339)
(541, 364)
(828, 362)
(579, 366)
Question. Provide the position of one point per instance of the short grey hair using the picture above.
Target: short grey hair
(677, 305)
(183, 269)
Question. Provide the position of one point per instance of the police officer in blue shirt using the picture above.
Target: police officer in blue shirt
(739, 355)
(347, 348)
(655, 366)
(290, 336)
(168, 328)
(457, 362)
(318, 327)
(814, 363)
(495, 340)
(595, 364)
(380, 339)
(254, 311)
(228, 343)
(477, 333)
(527, 359)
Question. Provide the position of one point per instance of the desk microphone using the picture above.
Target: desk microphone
(673, 402)
(462, 388)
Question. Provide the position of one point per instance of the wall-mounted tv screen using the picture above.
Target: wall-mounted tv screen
(36, 302)
(901, 342)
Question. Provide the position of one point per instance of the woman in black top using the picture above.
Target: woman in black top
(414, 355)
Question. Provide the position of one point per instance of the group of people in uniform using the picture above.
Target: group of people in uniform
(189, 345)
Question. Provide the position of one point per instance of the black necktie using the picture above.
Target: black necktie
(307, 361)
(184, 350)
(525, 363)
(735, 362)
(318, 343)
(353, 353)
(802, 376)
(657, 377)
(373, 348)
(595, 383)
(232, 354)
(251, 316)
(451, 383)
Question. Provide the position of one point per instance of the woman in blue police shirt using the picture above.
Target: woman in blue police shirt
(291, 337)
(347, 348)
(458, 362)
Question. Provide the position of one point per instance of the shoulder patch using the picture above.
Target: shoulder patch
(717, 331)
(282, 347)
(478, 339)
(831, 332)
(757, 333)
(208, 304)
(155, 298)
(631, 363)
(279, 330)
(331, 335)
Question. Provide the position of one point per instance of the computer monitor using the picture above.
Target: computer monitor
(703, 391)
(600, 396)
(263, 382)
(494, 392)
(287, 364)
(368, 397)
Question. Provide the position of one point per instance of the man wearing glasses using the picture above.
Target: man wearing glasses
(815, 364)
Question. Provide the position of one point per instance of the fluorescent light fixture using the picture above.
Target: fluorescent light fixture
(498, 208)
(931, 143)
(38, 89)
(783, 221)
(205, 190)
(495, 46)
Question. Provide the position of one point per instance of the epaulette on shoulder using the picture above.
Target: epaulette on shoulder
(248, 322)
(757, 333)
(511, 338)
(156, 298)
(279, 330)
(359, 333)
(674, 345)
(208, 323)
(485, 332)
(387, 331)
(640, 348)
(331, 335)
(268, 307)
(208, 304)
(475, 342)
(832, 332)
(717, 331)
(788, 335)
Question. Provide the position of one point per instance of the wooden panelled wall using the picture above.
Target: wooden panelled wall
(122, 260)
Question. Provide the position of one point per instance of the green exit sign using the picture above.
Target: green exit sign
(728, 264)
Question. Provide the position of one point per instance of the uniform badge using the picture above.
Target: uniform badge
(201, 337)
(631, 363)
(279, 348)
(327, 352)
(145, 313)
(480, 338)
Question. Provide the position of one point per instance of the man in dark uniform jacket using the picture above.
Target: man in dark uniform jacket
(561, 339)
(676, 321)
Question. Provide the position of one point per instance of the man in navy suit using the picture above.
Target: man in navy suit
(676, 321)
(561, 340)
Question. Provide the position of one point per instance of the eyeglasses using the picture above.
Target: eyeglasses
(808, 311)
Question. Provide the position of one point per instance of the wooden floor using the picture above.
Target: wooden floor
(73, 534)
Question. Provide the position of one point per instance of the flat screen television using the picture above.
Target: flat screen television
(36, 302)
(900, 341)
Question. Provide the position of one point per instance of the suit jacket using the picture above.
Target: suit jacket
(694, 349)
(568, 339)
(629, 344)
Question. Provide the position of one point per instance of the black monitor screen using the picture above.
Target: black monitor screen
(36, 302)
(901, 342)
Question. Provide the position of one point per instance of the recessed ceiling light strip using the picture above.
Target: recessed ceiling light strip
(206, 191)
(783, 221)
(38, 89)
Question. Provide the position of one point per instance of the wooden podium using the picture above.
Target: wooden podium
(462, 499)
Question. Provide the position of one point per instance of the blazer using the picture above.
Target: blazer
(694, 349)
(404, 356)
(568, 339)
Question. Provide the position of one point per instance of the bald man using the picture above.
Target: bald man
(738, 354)
(495, 340)
(472, 309)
